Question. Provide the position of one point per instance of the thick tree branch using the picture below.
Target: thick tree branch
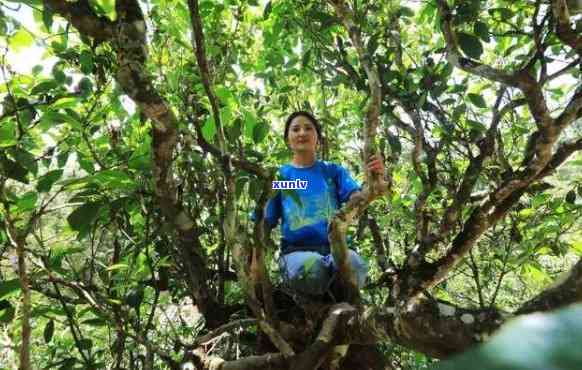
(18, 242)
(562, 154)
(83, 18)
(333, 330)
(565, 291)
(376, 186)
(573, 109)
(565, 32)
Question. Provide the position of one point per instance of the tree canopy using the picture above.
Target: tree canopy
(133, 150)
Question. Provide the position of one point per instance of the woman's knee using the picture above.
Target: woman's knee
(360, 267)
(306, 272)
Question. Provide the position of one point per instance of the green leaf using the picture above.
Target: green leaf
(85, 344)
(27, 202)
(8, 287)
(209, 129)
(49, 330)
(240, 184)
(235, 130)
(406, 12)
(67, 104)
(68, 363)
(502, 13)
(482, 30)
(250, 123)
(470, 45)
(44, 87)
(58, 74)
(8, 134)
(52, 118)
(86, 61)
(59, 252)
(134, 297)
(372, 45)
(37, 69)
(267, 10)
(260, 131)
(395, 144)
(20, 40)
(141, 158)
(477, 100)
(84, 215)
(7, 312)
(576, 246)
(114, 179)
(46, 182)
(95, 322)
(107, 7)
(85, 86)
(305, 59)
(118, 266)
(467, 11)
(13, 170)
(224, 95)
(571, 197)
(26, 159)
(47, 17)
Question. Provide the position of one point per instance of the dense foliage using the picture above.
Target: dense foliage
(133, 150)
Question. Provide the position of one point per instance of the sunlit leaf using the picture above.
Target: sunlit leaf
(9, 287)
(84, 215)
(21, 40)
(8, 134)
(209, 129)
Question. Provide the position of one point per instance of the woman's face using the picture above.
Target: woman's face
(302, 136)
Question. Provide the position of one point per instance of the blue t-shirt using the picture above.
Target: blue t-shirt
(305, 222)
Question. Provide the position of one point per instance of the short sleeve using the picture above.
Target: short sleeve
(346, 184)
(273, 211)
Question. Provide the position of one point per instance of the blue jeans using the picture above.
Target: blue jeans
(312, 273)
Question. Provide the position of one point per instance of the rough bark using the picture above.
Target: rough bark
(565, 291)
(24, 349)
(565, 32)
(376, 186)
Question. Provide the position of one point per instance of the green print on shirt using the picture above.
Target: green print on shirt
(316, 208)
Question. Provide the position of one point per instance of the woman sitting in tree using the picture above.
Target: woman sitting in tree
(306, 262)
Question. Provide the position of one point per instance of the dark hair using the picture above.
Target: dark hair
(305, 114)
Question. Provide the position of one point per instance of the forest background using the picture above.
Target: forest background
(136, 138)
